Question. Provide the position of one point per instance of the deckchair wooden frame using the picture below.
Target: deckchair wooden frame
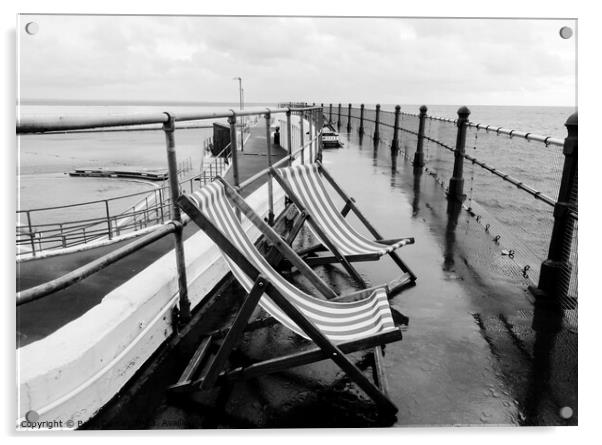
(214, 373)
(337, 257)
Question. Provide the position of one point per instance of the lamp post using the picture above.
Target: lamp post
(240, 90)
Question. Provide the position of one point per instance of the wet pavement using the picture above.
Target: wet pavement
(468, 357)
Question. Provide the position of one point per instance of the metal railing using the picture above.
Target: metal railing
(150, 208)
(175, 224)
(439, 147)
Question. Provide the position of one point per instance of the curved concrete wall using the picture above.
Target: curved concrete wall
(69, 377)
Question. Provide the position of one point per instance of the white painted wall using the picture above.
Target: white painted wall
(73, 372)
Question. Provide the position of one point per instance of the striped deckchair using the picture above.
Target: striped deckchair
(336, 327)
(305, 188)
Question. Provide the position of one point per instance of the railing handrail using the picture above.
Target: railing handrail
(488, 128)
(547, 140)
(42, 290)
(44, 124)
(172, 226)
(266, 171)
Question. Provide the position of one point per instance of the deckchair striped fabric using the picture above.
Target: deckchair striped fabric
(338, 321)
(306, 183)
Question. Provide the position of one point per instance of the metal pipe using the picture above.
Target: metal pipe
(266, 171)
(233, 147)
(41, 124)
(320, 144)
(311, 136)
(85, 271)
(268, 138)
(31, 237)
(289, 135)
(174, 187)
(108, 218)
(302, 137)
(339, 117)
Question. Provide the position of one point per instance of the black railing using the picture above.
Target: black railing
(451, 151)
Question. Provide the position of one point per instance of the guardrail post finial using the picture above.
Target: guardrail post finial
(376, 136)
(456, 182)
(419, 155)
(554, 278)
(395, 142)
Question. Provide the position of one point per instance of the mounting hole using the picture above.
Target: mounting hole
(32, 416)
(32, 28)
(566, 32)
(566, 412)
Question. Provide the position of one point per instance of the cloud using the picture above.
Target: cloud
(323, 59)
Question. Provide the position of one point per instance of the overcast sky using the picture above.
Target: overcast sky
(389, 60)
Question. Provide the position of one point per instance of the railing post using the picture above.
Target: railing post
(289, 136)
(234, 147)
(456, 182)
(395, 142)
(330, 115)
(108, 218)
(349, 119)
(556, 269)
(376, 122)
(339, 117)
(172, 165)
(31, 235)
(268, 119)
(419, 155)
(319, 129)
(312, 113)
(302, 138)
(361, 130)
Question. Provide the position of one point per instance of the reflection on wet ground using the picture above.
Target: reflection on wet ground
(469, 355)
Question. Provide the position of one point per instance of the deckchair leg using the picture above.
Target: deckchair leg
(379, 372)
(381, 400)
(274, 256)
(350, 205)
(235, 333)
(311, 250)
